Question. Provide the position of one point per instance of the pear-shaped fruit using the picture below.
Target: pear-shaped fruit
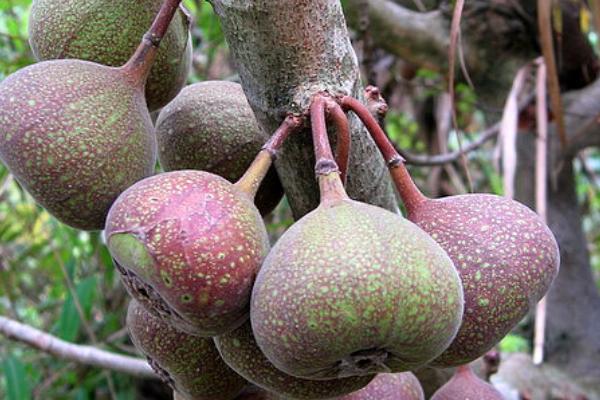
(240, 351)
(75, 134)
(107, 32)
(352, 289)
(465, 385)
(505, 254)
(189, 244)
(211, 127)
(400, 386)
(506, 257)
(191, 365)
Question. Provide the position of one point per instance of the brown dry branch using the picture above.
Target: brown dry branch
(81, 354)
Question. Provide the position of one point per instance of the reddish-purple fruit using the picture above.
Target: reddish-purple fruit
(401, 386)
(189, 244)
(75, 134)
(465, 385)
(210, 126)
(191, 365)
(240, 351)
(505, 255)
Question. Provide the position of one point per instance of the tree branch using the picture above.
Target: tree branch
(582, 119)
(79, 353)
(421, 38)
(441, 159)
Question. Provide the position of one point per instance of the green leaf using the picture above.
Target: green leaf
(17, 384)
(69, 322)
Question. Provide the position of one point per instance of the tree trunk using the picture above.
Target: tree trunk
(287, 51)
(572, 339)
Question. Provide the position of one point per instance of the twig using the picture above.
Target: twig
(446, 158)
(84, 321)
(540, 197)
(454, 35)
(545, 30)
(81, 354)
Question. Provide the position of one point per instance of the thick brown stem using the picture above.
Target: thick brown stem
(339, 119)
(326, 169)
(140, 64)
(390, 154)
(254, 175)
(325, 163)
(409, 192)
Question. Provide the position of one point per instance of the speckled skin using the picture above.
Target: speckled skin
(108, 32)
(189, 364)
(193, 243)
(506, 257)
(75, 134)
(240, 351)
(465, 385)
(211, 127)
(401, 386)
(352, 289)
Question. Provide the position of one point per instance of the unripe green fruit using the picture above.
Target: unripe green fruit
(352, 289)
(240, 351)
(75, 134)
(108, 32)
(210, 127)
(190, 364)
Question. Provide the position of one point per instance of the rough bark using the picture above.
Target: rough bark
(285, 52)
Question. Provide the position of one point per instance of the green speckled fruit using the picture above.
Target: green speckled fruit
(108, 32)
(211, 127)
(352, 289)
(466, 385)
(75, 134)
(240, 351)
(400, 386)
(506, 258)
(191, 365)
(189, 245)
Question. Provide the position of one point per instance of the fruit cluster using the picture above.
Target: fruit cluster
(348, 292)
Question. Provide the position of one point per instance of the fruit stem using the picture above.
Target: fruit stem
(410, 193)
(254, 175)
(464, 369)
(326, 169)
(140, 63)
(339, 119)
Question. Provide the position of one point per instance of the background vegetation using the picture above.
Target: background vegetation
(62, 281)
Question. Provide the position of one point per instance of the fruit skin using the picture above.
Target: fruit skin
(189, 245)
(64, 29)
(190, 364)
(210, 127)
(75, 134)
(401, 386)
(352, 289)
(240, 351)
(507, 259)
(465, 385)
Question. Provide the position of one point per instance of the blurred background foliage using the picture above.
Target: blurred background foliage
(62, 280)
